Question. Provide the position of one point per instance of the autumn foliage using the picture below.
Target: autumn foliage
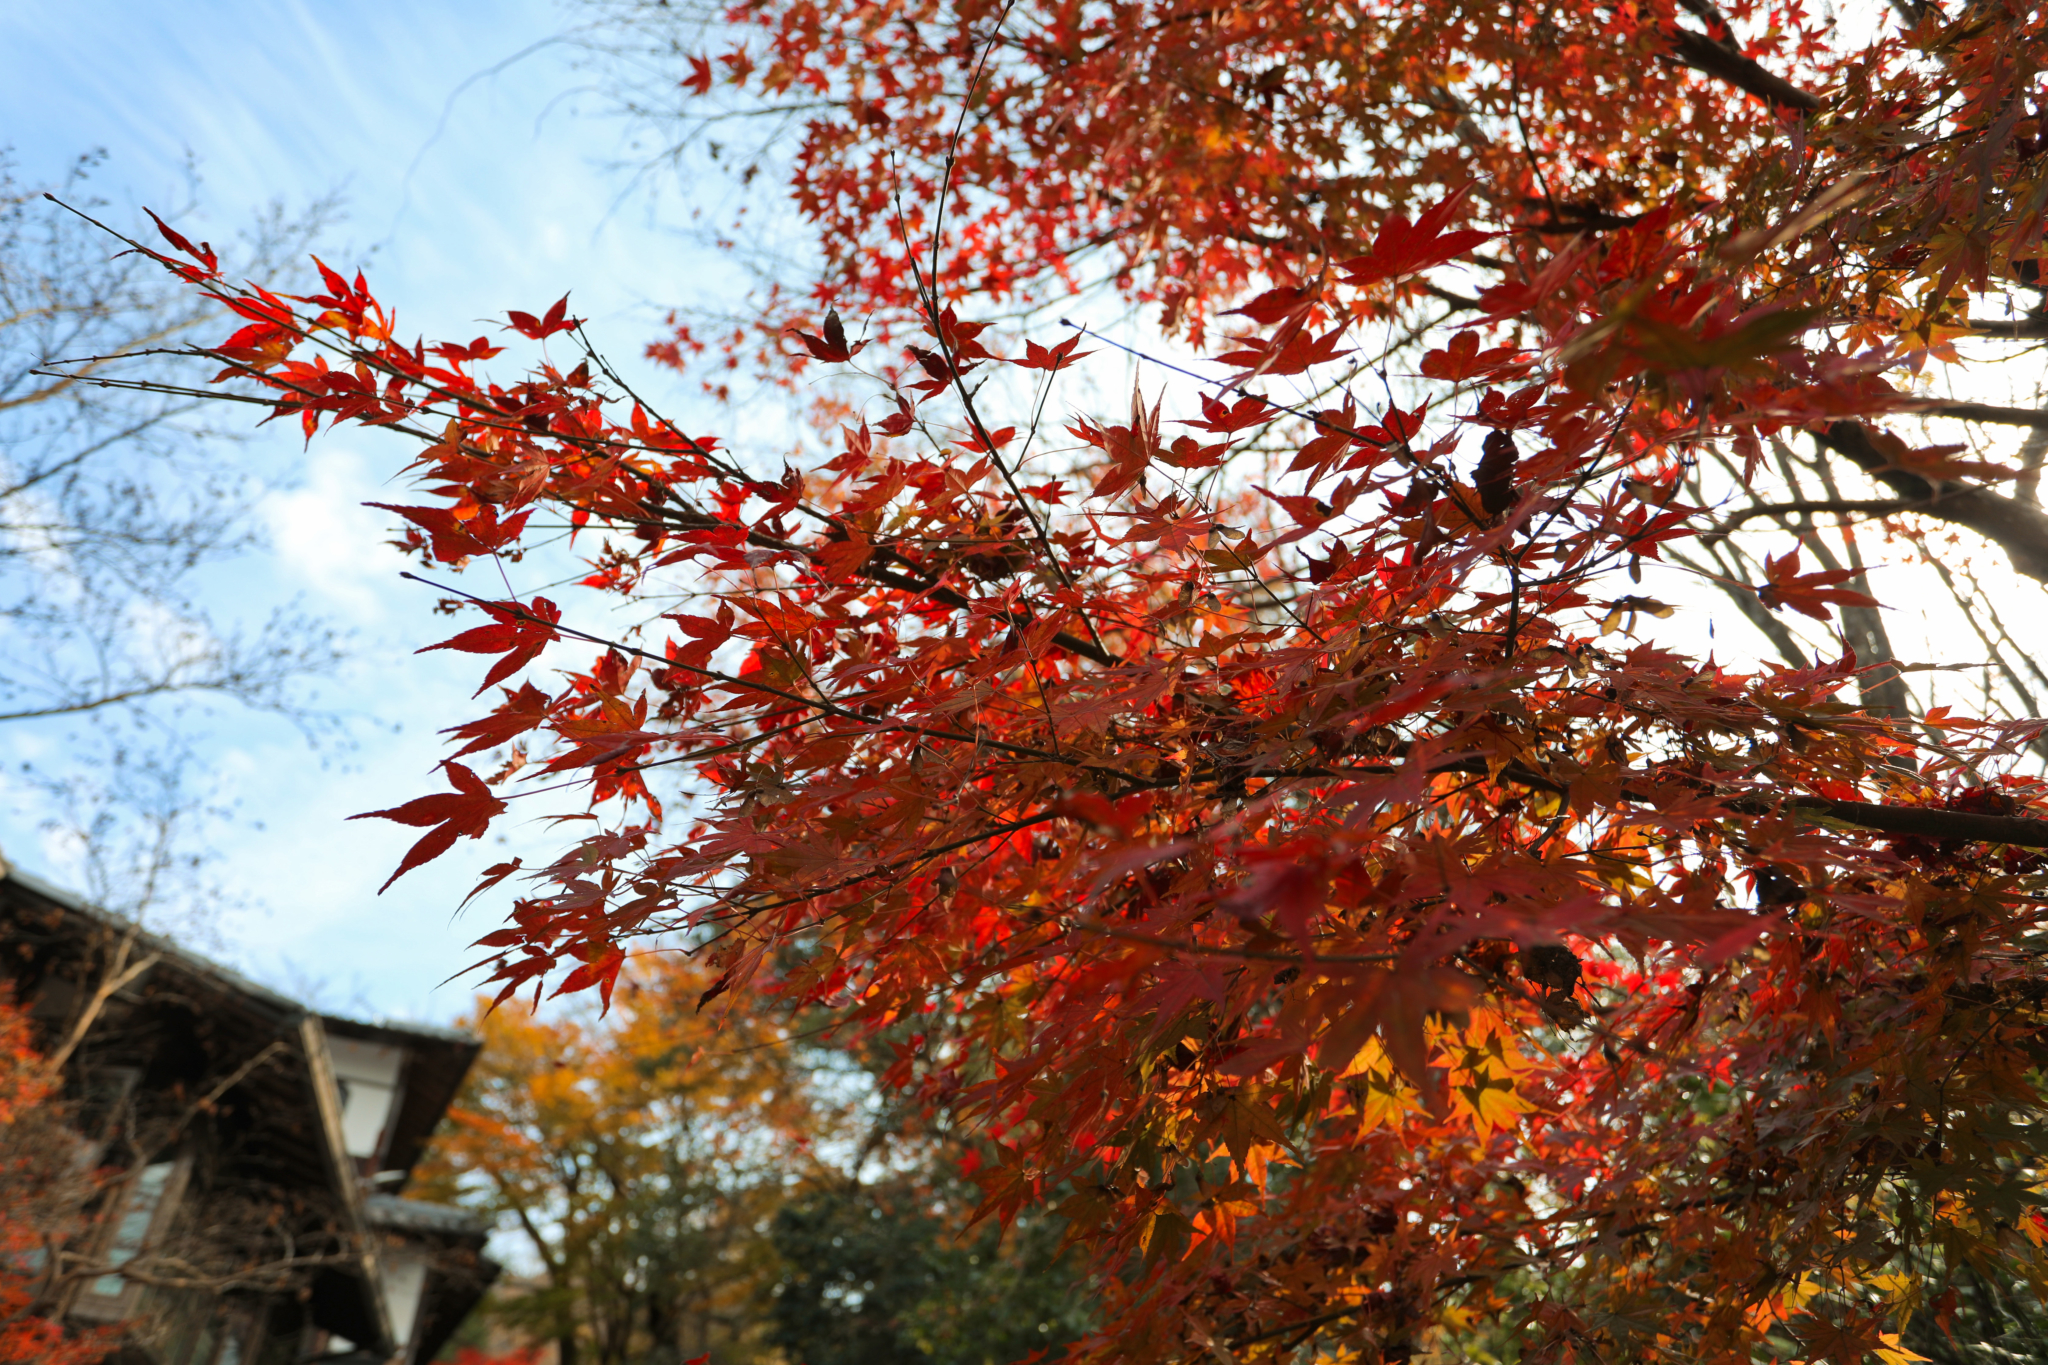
(635, 1159)
(34, 1178)
(1234, 809)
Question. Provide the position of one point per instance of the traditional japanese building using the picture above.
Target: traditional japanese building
(246, 1156)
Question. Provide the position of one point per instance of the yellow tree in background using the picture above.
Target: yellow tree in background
(636, 1155)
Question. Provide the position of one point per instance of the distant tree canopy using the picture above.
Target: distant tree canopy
(683, 1185)
(882, 1272)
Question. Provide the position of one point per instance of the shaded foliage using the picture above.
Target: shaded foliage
(883, 1273)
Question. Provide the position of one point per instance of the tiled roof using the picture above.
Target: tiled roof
(415, 1215)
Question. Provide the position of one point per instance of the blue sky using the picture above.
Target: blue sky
(479, 173)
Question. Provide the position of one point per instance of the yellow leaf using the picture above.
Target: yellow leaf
(1891, 1353)
(1256, 1158)
(1484, 1064)
(1797, 1296)
(1370, 1059)
(1387, 1098)
(1490, 1102)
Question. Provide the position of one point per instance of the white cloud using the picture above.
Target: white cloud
(328, 543)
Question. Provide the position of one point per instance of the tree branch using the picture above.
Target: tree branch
(1989, 412)
(1745, 599)
(1704, 55)
(119, 973)
(1922, 821)
(1867, 506)
(1926, 822)
(2016, 527)
(1862, 625)
(2024, 329)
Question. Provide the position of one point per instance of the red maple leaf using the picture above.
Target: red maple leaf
(469, 809)
(557, 320)
(1785, 586)
(518, 631)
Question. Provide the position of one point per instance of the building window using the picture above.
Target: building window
(139, 1219)
(367, 1077)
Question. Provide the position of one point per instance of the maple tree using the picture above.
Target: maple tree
(1241, 817)
(634, 1158)
(1194, 158)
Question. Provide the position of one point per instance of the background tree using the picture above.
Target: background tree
(1250, 820)
(1979, 1320)
(637, 1159)
(887, 1270)
(115, 503)
(686, 1186)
